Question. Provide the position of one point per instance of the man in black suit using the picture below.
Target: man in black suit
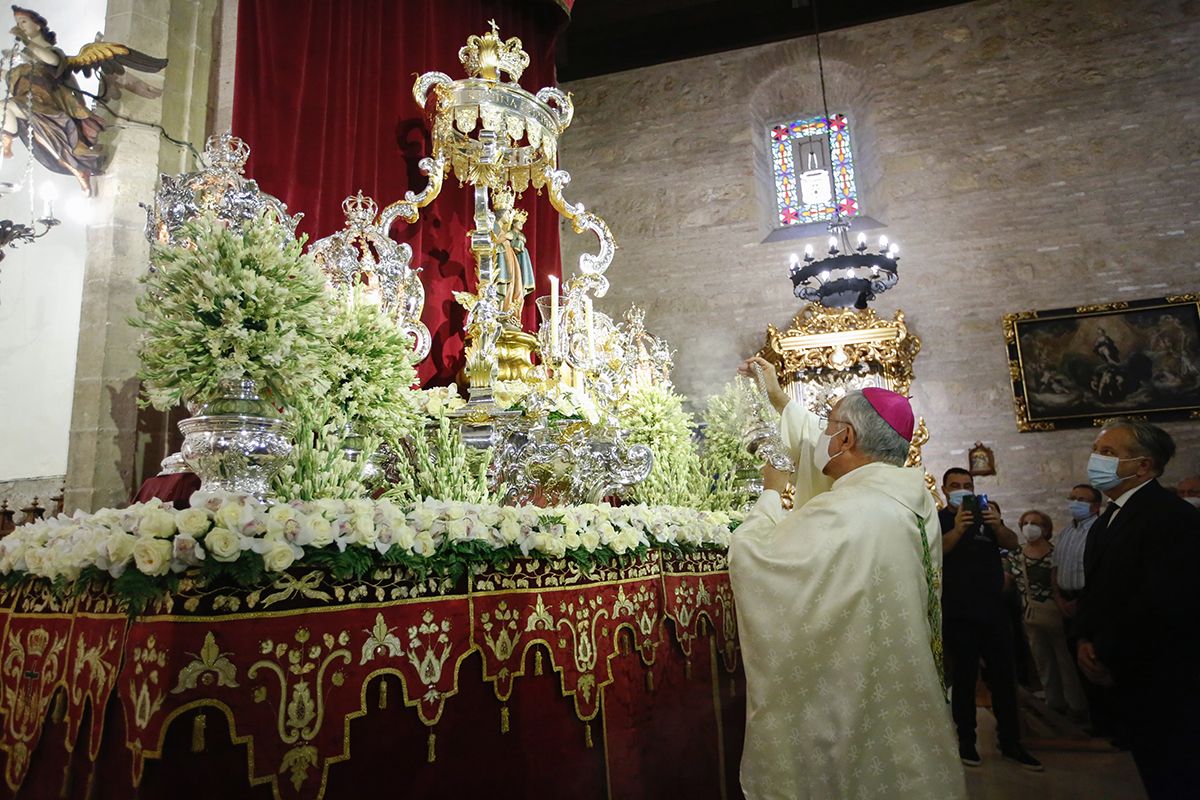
(1139, 609)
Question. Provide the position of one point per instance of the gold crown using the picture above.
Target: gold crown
(486, 56)
(38, 640)
(503, 198)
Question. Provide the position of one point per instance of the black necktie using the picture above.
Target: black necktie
(1106, 517)
(1096, 535)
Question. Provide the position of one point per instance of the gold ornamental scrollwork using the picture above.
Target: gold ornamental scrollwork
(208, 666)
(300, 667)
(834, 340)
(1101, 307)
(1010, 324)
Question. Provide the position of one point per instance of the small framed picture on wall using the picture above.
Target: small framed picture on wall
(981, 460)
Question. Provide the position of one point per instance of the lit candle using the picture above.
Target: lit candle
(591, 329)
(553, 314)
(883, 240)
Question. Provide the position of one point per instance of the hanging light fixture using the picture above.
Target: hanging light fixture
(15, 233)
(848, 275)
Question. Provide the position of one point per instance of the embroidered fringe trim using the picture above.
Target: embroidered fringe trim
(199, 726)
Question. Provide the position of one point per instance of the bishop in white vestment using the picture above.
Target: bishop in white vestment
(838, 606)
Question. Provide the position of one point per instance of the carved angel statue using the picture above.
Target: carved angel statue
(44, 104)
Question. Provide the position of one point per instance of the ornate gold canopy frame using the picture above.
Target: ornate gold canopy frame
(826, 352)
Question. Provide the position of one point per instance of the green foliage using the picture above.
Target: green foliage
(137, 589)
(248, 571)
(233, 305)
(654, 416)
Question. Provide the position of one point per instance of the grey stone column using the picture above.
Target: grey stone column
(103, 449)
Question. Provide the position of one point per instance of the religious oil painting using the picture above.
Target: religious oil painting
(1074, 367)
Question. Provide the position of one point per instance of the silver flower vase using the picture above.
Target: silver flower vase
(237, 441)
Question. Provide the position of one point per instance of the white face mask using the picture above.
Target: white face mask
(1195, 501)
(821, 457)
(1031, 532)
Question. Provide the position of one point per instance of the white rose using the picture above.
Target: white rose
(229, 515)
(571, 541)
(422, 518)
(193, 522)
(404, 536)
(510, 530)
(278, 557)
(119, 547)
(590, 539)
(458, 529)
(362, 530)
(423, 544)
(223, 544)
(157, 523)
(152, 556)
(320, 529)
(37, 562)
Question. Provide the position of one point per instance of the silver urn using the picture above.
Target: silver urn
(237, 441)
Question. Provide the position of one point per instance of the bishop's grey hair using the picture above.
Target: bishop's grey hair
(876, 439)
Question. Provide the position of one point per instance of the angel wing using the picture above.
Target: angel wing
(112, 58)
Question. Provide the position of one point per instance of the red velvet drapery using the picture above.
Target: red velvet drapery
(323, 96)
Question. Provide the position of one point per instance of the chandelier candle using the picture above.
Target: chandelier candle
(553, 315)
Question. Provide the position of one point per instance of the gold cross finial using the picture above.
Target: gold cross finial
(495, 28)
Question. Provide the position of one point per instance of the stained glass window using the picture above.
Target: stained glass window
(814, 170)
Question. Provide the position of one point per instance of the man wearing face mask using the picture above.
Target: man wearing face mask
(1189, 490)
(838, 613)
(1067, 579)
(976, 620)
(1138, 613)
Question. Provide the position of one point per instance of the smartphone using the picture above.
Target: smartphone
(975, 504)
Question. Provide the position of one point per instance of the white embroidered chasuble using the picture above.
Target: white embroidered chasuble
(843, 698)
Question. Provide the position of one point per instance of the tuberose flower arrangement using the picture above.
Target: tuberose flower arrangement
(654, 415)
(233, 305)
(143, 549)
(723, 454)
(370, 398)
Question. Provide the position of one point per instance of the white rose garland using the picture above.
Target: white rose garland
(156, 540)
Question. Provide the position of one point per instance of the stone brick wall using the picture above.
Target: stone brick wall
(1025, 155)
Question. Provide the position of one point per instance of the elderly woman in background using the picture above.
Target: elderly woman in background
(1029, 567)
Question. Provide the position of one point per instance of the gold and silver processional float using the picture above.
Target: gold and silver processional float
(493, 135)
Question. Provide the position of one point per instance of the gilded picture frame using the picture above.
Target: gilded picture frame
(981, 460)
(1076, 367)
